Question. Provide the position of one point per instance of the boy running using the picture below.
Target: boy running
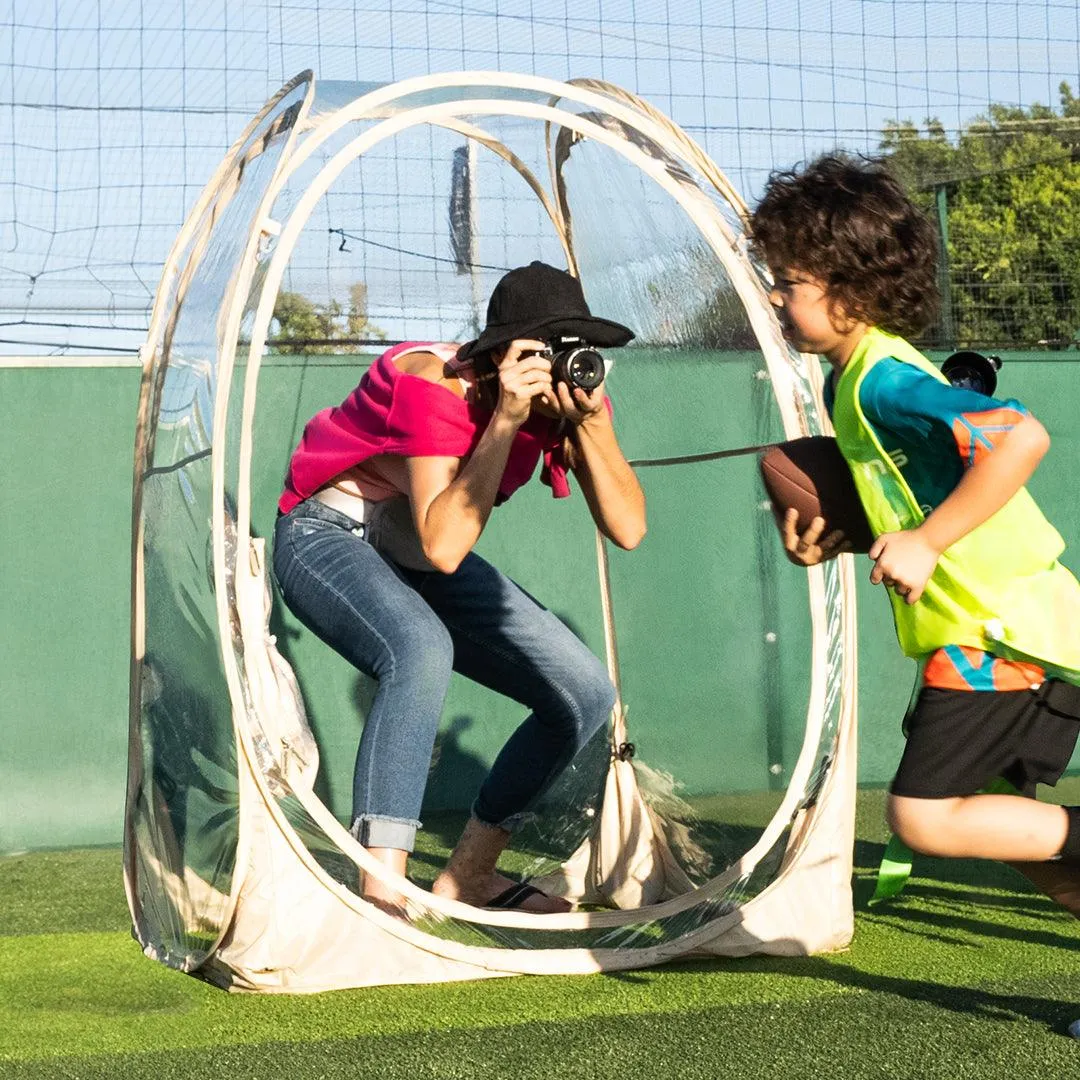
(970, 563)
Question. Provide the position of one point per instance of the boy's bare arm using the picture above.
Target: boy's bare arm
(905, 560)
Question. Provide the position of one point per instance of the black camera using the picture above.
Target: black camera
(574, 363)
(972, 371)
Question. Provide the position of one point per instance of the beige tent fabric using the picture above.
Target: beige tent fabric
(808, 909)
(288, 753)
(295, 930)
(627, 861)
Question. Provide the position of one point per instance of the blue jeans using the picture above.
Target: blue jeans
(409, 629)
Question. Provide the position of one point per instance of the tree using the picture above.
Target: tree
(1012, 183)
(306, 327)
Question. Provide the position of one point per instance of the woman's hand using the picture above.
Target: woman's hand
(903, 562)
(811, 548)
(524, 374)
(571, 403)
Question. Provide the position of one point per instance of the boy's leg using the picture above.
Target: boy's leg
(1009, 828)
(1060, 882)
(996, 827)
(960, 740)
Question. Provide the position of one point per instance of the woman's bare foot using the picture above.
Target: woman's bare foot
(470, 874)
(480, 890)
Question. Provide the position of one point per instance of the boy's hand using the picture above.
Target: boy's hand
(811, 548)
(903, 561)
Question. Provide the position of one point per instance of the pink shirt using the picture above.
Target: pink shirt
(391, 412)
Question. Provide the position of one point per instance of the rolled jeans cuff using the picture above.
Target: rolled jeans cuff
(385, 832)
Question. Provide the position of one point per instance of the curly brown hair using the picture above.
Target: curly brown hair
(848, 222)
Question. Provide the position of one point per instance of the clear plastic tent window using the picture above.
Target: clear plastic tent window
(666, 840)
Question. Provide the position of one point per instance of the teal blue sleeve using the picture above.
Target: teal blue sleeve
(932, 430)
(916, 409)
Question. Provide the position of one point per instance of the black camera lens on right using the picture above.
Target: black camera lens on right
(575, 363)
(582, 367)
(972, 371)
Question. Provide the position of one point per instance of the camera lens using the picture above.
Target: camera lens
(972, 371)
(968, 379)
(582, 367)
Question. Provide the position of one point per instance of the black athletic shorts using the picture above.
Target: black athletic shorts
(960, 740)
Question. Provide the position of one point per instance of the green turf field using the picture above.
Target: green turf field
(968, 975)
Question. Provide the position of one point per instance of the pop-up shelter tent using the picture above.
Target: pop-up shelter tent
(236, 868)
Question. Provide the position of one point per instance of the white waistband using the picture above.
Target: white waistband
(354, 506)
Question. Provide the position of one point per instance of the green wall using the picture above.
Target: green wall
(710, 698)
(66, 540)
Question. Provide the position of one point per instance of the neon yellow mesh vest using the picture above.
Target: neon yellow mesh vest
(1000, 588)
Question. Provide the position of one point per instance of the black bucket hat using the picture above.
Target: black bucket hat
(538, 300)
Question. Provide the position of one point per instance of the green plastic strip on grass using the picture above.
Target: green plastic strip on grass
(894, 871)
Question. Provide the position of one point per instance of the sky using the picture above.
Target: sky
(114, 114)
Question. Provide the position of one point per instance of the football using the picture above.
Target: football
(812, 476)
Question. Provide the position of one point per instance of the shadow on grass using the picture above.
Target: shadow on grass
(1054, 1014)
(934, 926)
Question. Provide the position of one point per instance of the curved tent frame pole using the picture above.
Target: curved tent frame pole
(495, 960)
(559, 147)
(318, 187)
(188, 249)
(470, 131)
(750, 291)
(691, 152)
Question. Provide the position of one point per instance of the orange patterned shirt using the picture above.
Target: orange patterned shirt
(961, 667)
